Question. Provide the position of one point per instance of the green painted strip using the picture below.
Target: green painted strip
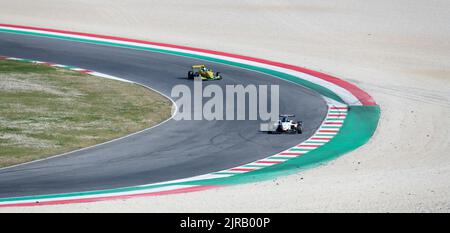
(312, 141)
(301, 149)
(330, 127)
(325, 134)
(81, 194)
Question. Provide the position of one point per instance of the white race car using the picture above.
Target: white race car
(286, 124)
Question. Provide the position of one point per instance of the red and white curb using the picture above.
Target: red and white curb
(329, 128)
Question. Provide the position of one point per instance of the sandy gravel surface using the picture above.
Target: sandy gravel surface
(398, 51)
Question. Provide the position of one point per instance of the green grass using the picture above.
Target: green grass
(46, 111)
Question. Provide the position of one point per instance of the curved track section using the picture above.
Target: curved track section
(176, 149)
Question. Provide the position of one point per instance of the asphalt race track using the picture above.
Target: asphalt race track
(173, 150)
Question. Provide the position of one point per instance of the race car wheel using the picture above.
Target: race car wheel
(299, 129)
(190, 75)
(218, 75)
(279, 129)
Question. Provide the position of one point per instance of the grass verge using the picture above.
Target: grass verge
(46, 111)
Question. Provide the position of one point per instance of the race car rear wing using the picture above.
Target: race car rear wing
(287, 115)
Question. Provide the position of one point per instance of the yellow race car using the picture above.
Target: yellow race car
(204, 73)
